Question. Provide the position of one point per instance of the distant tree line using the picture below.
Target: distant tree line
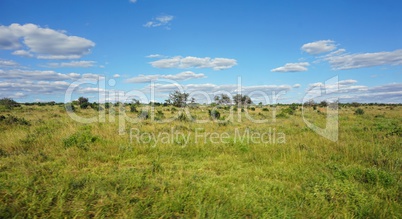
(181, 99)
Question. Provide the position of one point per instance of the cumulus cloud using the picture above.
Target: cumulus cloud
(342, 61)
(8, 63)
(318, 47)
(23, 53)
(387, 93)
(37, 75)
(195, 62)
(296, 86)
(18, 83)
(177, 77)
(350, 91)
(30, 87)
(343, 86)
(44, 43)
(292, 67)
(73, 64)
(163, 20)
(228, 88)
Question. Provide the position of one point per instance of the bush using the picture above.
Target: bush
(281, 115)
(143, 115)
(252, 108)
(159, 115)
(9, 103)
(214, 114)
(359, 111)
(293, 107)
(13, 120)
(355, 104)
(183, 117)
(84, 105)
(133, 109)
(288, 110)
(81, 139)
(265, 109)
(69, 107)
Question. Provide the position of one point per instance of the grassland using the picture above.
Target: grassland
(53, 166)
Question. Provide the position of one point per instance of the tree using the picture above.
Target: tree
(178, 99)
(242, 99)
(83, 102)
(310, 103)
(136, 102)
(323, 103)
(9, 103)
(222, 99)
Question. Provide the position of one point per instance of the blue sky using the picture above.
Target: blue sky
(278, 49)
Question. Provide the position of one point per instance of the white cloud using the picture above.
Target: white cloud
(296, 86)
(8, 63)
(347, 82)
(350, 91)
(195, 62)
(91, 90)
(163, 20)
(342, 61)
(36, 75)
(292, 67)
(229, 88)
(177, 77)
(72, 64)
(154, 56)
(22, 53)
(387, 93)
(133, 1)
(318, 47)
(116, 76)
(44, 43)
(31, 88)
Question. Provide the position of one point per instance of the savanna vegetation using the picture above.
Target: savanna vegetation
(204, 162)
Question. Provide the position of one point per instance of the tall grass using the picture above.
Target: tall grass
(56, 167)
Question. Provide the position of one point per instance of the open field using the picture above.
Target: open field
(54, 166)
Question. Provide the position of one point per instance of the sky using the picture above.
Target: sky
(273, 51)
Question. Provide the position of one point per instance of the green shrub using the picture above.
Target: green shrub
(13, 120)
(359, 111)
(288, 110)
(265, 109)
(214, 114)
(84, 105)
(9, 103)
(281, 115)
(183, 117)
(143, 115)
(82, 139)
(133, 109)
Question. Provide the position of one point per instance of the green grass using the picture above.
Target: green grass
(56, 167)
